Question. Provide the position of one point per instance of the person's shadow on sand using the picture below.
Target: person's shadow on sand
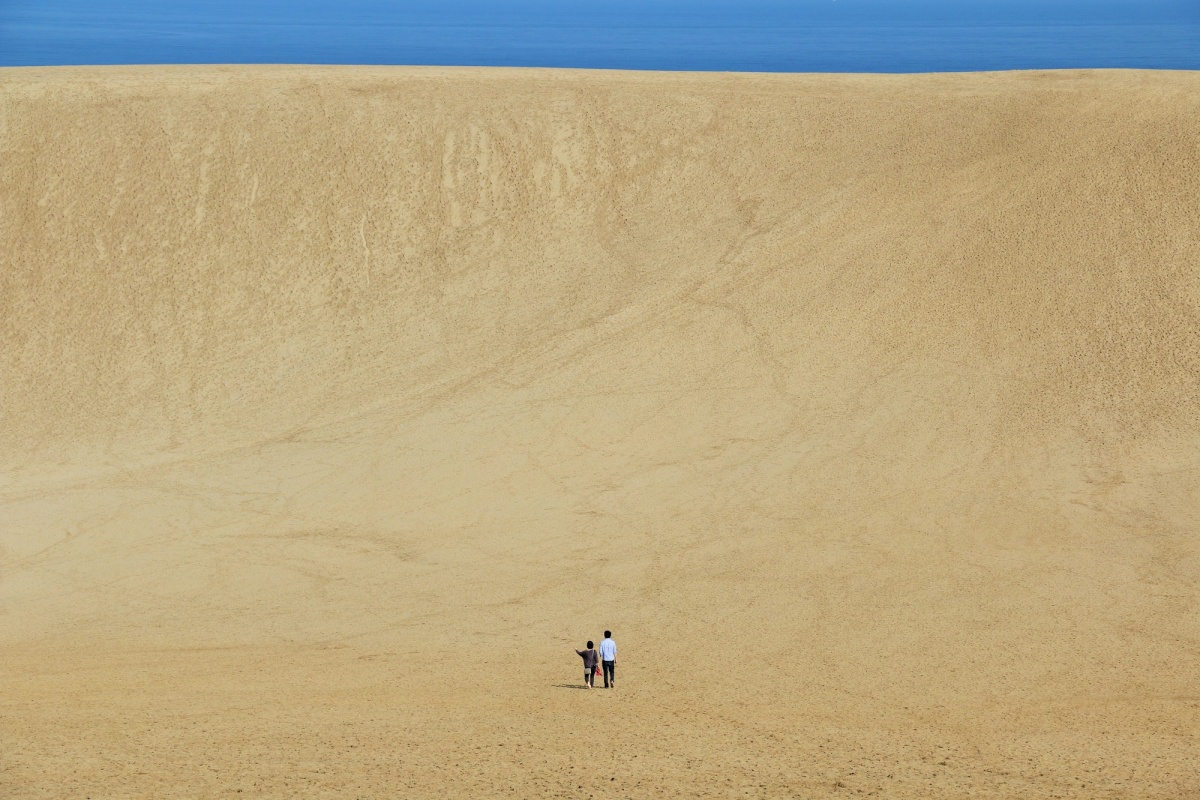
(569, 686)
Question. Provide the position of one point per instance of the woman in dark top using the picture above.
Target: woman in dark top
(590, 659)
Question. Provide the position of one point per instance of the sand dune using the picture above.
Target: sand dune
(341, 404)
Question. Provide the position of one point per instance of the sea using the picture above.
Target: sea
(51, 32)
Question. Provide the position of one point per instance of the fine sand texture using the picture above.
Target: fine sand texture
(340, 405)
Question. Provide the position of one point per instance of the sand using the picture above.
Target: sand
(340, 405)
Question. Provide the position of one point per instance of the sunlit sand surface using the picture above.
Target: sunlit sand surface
(340, 405)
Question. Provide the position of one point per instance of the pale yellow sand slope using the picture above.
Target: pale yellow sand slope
(341, 404)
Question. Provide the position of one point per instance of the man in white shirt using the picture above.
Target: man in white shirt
(608, 657)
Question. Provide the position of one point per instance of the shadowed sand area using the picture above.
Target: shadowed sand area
(340, 404)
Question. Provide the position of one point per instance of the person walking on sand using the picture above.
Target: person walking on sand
(590, 658)
(608, 655)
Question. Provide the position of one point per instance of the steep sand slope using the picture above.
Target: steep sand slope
(341, 404)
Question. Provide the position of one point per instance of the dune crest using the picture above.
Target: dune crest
(340, 404)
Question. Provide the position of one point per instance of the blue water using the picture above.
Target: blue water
(766, 38)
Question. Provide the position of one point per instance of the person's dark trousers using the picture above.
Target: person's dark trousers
(610, 673)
